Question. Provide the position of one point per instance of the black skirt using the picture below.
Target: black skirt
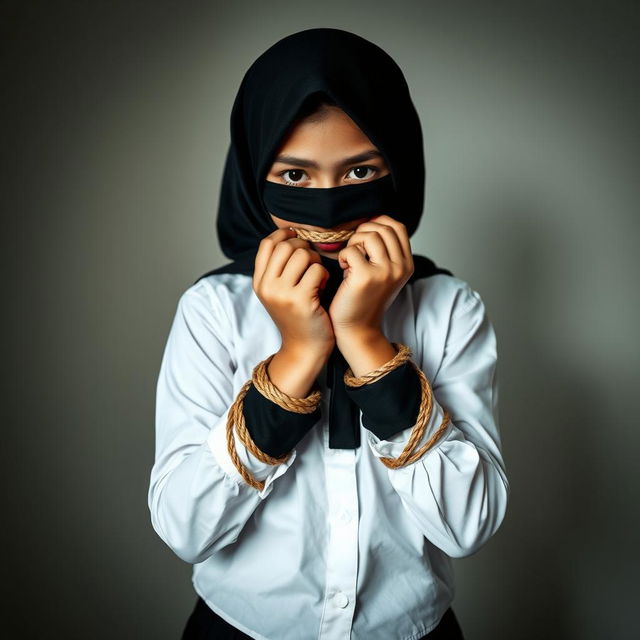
(205, 624)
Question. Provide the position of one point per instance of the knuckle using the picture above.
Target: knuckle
(282, 247)
(383, 219)
(392, 222)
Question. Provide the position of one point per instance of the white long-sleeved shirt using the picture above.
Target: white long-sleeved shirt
(336, 545)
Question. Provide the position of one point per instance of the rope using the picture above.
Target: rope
(260, 379)
(407, 456)
(323, 236)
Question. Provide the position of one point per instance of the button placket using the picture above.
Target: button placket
(342, 550)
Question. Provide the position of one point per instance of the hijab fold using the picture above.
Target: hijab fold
(366, 83)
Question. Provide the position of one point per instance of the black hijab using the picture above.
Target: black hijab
(367, 84)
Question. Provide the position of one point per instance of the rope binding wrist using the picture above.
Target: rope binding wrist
(260, 379)
(407, 456)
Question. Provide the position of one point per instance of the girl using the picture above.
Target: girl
(326, 423)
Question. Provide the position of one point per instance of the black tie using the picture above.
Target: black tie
(344, 414)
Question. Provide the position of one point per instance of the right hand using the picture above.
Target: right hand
(288, 277)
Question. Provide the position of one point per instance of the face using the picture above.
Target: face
(332, 152)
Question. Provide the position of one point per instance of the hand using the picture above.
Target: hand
(377, 263)
(288, 276)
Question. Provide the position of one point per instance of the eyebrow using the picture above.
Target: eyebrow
(302, 162)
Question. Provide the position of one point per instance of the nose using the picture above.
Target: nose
(328, 183)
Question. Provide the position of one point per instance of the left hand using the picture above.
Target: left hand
(377, 263)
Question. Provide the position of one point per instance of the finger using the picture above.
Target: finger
(280, 256)
(401, 230)
(297, 264)
(374, 246)
(265, 249)
(390, 237)
(313, 277)
(352, 257)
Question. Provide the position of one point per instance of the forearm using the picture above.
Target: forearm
(294, 370)
(364, 349)
(391, 403)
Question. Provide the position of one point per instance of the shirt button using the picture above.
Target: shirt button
(345, 516)
(341, 599)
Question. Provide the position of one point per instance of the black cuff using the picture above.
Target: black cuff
(392, 403)
(275, 430)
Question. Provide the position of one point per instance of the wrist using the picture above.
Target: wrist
(365, 350)
(360, 335)
(293, 372)
(307, 355)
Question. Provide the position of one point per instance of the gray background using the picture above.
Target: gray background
(116, 126)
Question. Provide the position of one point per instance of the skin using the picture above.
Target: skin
(289, 275)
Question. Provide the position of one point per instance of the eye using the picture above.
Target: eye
(364, 169)
(294, 177)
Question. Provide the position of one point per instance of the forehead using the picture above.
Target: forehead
(335, 130)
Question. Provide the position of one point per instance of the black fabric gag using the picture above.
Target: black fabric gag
(331, 206)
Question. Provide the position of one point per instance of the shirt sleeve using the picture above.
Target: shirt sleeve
(198, 500)
(457, 491)
(390, 404)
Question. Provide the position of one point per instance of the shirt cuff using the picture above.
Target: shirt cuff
(275, 430)
(217, 441)
(390, 404)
